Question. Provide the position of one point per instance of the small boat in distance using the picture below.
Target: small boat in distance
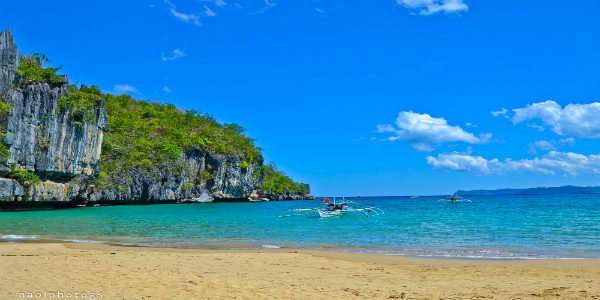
(455, 199)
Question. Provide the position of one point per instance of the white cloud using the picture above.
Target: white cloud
(188, 18)
(567, 141)
(424, 132)
(550, 145)
(209, 12)
(503, 111)
(166, 89)
(579, 120)
(535, 126)
(565, 163)
(541, 145)
(268, 5)
(124, 88)
(177, 53)
(218, 3)
(461, 162)
(429, 7)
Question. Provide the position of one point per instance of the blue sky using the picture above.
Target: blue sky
(356, 97)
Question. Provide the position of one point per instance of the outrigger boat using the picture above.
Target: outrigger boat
(339, 208)
(455, 198)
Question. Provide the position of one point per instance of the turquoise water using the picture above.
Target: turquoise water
(491, 227)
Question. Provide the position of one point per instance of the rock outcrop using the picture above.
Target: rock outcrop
(287, 195)
(197, 176)
(66, 154)
(41, 140)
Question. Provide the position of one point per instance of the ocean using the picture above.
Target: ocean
(489, 227)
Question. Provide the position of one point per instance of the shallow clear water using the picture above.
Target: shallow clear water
(491, 227)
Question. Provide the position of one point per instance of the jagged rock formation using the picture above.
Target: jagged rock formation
(42, 141)
(229, 181)
(66, 154)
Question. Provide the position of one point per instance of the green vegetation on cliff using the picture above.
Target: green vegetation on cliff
(145, 135)
(80, 102)
(31, 68)
(276, 182)
(4, 111)
(24, 177)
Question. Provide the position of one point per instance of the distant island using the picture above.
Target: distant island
(567, 189)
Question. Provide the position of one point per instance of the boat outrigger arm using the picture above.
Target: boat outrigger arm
(339, 208)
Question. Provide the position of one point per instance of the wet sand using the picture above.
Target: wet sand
(118, 272)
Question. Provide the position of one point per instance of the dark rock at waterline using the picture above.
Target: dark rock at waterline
(287, 195)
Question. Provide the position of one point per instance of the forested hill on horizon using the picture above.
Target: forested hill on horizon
(561, 190)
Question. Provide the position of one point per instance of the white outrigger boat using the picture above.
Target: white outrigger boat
(339, 208)
(455, 199)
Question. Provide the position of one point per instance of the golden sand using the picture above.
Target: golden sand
(114, 272)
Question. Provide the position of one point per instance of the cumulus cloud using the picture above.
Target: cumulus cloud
(177, 53)
(578, 120)
(565, 163)
(124, 88)
(166, 89)
(425, 132)
(429, 7)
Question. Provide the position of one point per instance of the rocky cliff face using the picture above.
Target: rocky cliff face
(197, 176)
(65, 154)
(42, 141)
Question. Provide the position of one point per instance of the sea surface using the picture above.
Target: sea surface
(489, 227)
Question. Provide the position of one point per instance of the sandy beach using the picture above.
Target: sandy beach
(115, 272)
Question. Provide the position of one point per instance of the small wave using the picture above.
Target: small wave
(475, 254)
(472, 254)
(82, 241)
(204, 198)
(271, 246)
(18, 237)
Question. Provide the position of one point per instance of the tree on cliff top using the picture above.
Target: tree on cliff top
(31, 68)
(276, 181)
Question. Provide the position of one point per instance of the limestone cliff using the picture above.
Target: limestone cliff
(228, 181)
(65, 153)
(41, 140)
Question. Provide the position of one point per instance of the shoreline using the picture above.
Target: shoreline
(128, 272)
(425, 253)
